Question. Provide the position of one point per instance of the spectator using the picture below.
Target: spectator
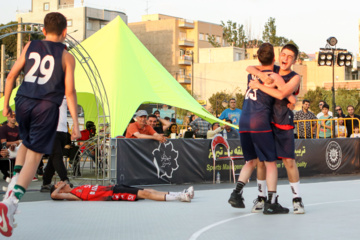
(55, 161)
(350, 124)
(340, 130)
(215, 129)
(9, 135)
(158, 124)
(172, 129)
(356, 133)
(165, 111)
(339, 112)
(140, 129)
(324, 130)
(305, 114)
(230, 132)
(321, 104)
(231, 113)
(173, 120)
(200, 127)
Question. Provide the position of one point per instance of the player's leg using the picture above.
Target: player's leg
(259, 202)
(184, 196)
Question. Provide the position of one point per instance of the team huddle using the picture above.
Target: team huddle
(266, 126)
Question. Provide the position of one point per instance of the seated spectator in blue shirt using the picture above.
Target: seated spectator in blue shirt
(231, 133)
(231, 113)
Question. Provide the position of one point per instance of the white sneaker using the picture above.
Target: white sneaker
(7, 210)
(11, 185)
(190, 190)
(184, 197)
(259, 203)
(298, 206)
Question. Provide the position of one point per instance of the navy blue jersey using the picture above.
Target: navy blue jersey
(44, 74)
(256, 111)
(282, 115)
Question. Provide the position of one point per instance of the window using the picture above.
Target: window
(69, 23)
(89, 26)
(46, 6)
(201, 36)
(218, 39)
(237, 56)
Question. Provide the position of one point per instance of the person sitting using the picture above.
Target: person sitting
(215, 129)
(356, 133)
(158, 124)
(63, 191)
(340, 129)
(230, 132)
(141, 130)
(172, 129)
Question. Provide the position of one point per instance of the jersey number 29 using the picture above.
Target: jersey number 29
(47, 72)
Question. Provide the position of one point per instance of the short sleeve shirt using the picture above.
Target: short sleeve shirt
(134, 127)
(8, 133)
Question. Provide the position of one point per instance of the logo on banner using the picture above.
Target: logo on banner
(165, 159)
(333, 155)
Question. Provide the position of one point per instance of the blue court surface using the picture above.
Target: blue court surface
(332, 212)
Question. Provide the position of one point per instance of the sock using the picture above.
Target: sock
(239, 187)
(272, 197)
(19, 191)
(295, 188)
(169, 197)
(174, 193)
(17, 169)
(261, 187)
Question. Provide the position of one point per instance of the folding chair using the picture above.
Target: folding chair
(220, 140)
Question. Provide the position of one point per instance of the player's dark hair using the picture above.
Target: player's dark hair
(266, 54)
(55, 23)
(305, 100)
(151, 116)
(292, 48)
(52, 189)
(325, 106)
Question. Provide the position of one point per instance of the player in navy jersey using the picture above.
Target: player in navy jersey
(256, 137)
(283, 124)
(49, 75)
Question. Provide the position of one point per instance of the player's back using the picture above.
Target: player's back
(256, 110)
(44, 73)
(93, 192)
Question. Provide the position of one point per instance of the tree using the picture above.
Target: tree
(233, 34)
(216, 101)
(213, 42)
(269, 34)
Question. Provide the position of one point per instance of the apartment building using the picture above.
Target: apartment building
(83, 20)
(175, 42)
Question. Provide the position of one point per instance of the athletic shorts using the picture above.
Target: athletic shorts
(258, 145)
(125, 193)
(284, 143)
(38, 120)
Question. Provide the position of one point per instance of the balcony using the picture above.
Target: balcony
(185, 42)
(184, 23)
(183, 78)
(185, 60)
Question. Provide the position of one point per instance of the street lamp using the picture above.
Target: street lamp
(224, 102)
(327, 57)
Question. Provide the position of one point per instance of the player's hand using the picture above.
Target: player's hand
(291, 106)
(75, 134)
(254, 84)
(266, 78)
(7, 111)
(160, 138)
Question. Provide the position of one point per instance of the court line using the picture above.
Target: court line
(195, 235)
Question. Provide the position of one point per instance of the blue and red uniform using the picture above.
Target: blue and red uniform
(40, 95)
(256, 135)
(106, 193)
(283, 123)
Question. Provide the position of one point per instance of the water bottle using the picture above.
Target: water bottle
(218, 177)
(225, 134)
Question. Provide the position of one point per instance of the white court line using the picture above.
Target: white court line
(195, 235)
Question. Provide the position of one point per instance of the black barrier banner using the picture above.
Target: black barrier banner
(143, 162)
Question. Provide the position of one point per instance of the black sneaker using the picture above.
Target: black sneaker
(46, 188)
(236, 200)
(274, 208)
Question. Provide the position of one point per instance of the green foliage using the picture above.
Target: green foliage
(239, 100)
(269, 35)
(213, 42)
(233, 34)
(220, 97)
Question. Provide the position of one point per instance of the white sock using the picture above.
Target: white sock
(175, 193)
(169, 197)
(261, 187)
(295, 188)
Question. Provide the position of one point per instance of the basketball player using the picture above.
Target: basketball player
(256, 137)
(283, 125)
(63, 191)
(49, 75)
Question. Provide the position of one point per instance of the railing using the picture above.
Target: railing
(312, 127)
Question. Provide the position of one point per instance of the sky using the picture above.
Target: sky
(307, 22)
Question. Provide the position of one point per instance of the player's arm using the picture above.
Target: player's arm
(63, 196)
(264, 76)
(70, 92)
(292, 102)
(155, 136)
(10, 80)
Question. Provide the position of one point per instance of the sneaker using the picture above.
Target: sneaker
(259, 203)
(298, 206)
(11, 185)
(190, 190)
(236, 200)
(274, 208)
(35, 179)
(40, 171)
(7, 210)
(184, 197)
(46, 188)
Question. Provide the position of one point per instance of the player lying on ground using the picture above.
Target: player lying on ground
(63, 191)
